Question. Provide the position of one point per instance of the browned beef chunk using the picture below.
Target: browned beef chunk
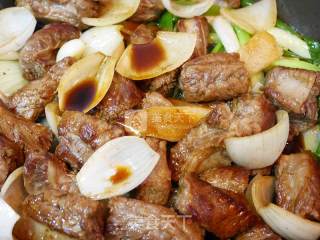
(122, 95)
(231, 178)
(219, 211)
(11, 157)
(153, 99)
(43, 170)
(80, 134)
(133, 219)
(247, 115)
(143, 34)
(69, 11)
(29, 102)
(39, 53)
(27, 134)
(294, 90)
(148, 10)
(156, 188)
(298, 185)
(259, 232)
(233, 3)
(219, 76)
(200, 27)
(71, 213)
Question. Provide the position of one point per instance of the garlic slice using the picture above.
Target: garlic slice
(17, 25)
(73, 48)
(168, 51)
(114, 12)
(260, 16)
(116, 168)
(168, 123)
(8, 218)
(107, 40)
(188, 11)
(262, 149)
(225, 33)
(53, 116)
(283, 222)
(86, 82)
(11, 77)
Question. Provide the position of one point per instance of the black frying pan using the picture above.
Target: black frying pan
(304, 15)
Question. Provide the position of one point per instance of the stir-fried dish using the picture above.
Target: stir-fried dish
(159, 120)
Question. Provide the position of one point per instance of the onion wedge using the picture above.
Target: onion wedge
(168, 123)
(283, 222)
(53, 116)
(74, 48)
(116, 168)
(8, 218)
(114, 12)
(260, 16)
(188, 11)
(262, 149)
(226, 34)
(168, 51)
(10, 56)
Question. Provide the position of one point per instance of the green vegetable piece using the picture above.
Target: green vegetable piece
(296, 63)
(213, 38)
(314, 48)
(218, 48)
(186, 2)
(168, 21)
(243, 36)
(214, 10)
(245, 3)
(177, 93)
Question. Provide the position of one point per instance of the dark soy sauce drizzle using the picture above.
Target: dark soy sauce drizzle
(147, 56)
(81, 96)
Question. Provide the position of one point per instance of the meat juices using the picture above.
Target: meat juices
(39, 53)
(200, 27)
(219, 211)
(247, 115)
(298, 185)
(134, 219)
(211, 77)
(69, 11)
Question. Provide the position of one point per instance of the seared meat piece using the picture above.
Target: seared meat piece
(219, 76)
(156, 188)
(231, 178)
(71, 213)
(133, 219)
(39, 53)
(80, 134)
(11, 157)
(248, 115)
(43, 170)
(154, 99)
(143, 34)
(69, 11)
(148, 10)
(27, 134)
(259, 232)
(294, 90)
(29, 102)
(219, 211)
(233, 3)
(298, 185)
(200, 27)
(122, 95)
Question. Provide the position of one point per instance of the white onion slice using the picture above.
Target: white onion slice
(289, 41)
(226, 34)
(283, 222)
(8, 217)
(262, 149)
(103, 39)
(52, 115)
(17, 25)
(10, 56)
(73, 48)
(188, 11)
(116, 11)
(260, 16)
(130, 153)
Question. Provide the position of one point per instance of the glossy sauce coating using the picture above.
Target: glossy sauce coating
(81, 95)
(122, 174)
(147, 56)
